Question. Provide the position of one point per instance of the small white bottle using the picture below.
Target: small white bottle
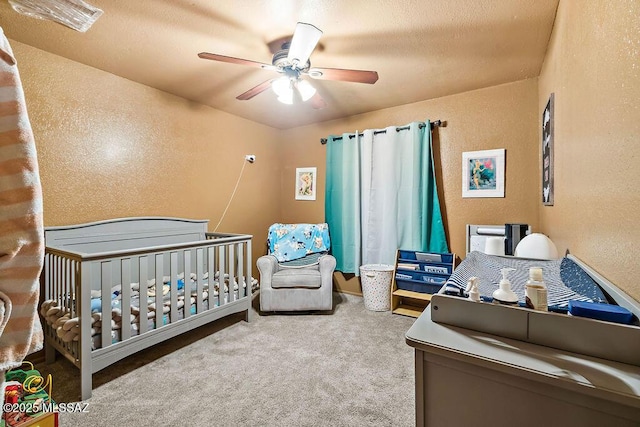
(536, 290)
(472, 289)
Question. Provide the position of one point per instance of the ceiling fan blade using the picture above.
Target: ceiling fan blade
(317, 102)
(304, 41)
(256, 90)
(232, 60)
(358, 76)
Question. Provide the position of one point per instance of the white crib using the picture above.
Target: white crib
(115, 287)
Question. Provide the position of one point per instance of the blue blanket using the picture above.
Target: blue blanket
(293, 241)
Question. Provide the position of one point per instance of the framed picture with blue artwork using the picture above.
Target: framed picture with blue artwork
(483, 173)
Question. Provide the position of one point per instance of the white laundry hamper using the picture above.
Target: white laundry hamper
(376, 286)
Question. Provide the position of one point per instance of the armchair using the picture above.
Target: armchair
(297, 274)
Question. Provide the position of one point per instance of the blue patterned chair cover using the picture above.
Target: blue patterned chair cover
(290, 242)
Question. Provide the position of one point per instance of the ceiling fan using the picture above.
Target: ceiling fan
(292, 60)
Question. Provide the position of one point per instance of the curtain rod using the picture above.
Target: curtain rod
(436, 123)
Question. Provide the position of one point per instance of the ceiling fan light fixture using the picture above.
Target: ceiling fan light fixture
(306, 90)
(281, 85)
(286, 98)
(292, 61)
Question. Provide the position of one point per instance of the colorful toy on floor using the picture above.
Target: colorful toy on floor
(27, 391)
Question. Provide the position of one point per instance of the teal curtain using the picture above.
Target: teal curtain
(433, 238)
(419, 223)
(382, 196)
(342, 201)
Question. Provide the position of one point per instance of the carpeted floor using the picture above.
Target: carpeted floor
(351, 367)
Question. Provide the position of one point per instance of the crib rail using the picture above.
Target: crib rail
(219, 238)
(138, 291)
(61, 275)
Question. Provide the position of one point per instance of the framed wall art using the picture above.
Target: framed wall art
(547, 153)
(483, 173)
(306, 183)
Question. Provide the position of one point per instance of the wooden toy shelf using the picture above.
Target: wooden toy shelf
(417, 276)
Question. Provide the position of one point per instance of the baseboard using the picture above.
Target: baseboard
(343, 291)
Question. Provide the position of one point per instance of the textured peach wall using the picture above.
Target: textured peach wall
(498, 117)
(109, 147)
(593, 67)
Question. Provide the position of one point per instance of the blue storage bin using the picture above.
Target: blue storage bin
(420, 276)
(434, 264)
(416, 286)
(428, 257)
(423, 272)
(431, 268)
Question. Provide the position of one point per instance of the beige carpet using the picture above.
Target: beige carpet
(348, 368)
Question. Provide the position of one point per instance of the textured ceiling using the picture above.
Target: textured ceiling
(421, 50)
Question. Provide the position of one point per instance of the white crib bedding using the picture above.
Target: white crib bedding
(96, 338)
(68, 329)
(96, 295)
